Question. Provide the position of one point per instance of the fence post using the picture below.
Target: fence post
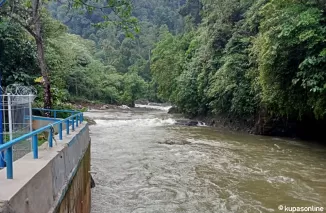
(30, 116)
(60, 131)
(77, 120)
(55, 114)
(51, 138)
(67, 126)
(9, 116)
(81, 117)
(73, 124)
(35, 146)
(9, 162)
(2, 162)
(9, 152)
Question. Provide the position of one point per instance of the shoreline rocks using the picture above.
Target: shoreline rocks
(174, 110)
(89, 120)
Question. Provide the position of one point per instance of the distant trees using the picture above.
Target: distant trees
(113, 47)
(29, 15)
(113, 66)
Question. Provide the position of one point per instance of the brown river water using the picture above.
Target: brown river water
(145, 163)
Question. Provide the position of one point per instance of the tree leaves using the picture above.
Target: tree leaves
(245, 55)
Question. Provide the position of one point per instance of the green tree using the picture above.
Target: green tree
(17, 54)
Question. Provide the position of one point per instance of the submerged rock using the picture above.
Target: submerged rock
(188, 123)
(89, 120)
(175, 142)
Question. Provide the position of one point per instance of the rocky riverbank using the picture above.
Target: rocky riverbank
(218, 121)
(264, 124)
(234, 124)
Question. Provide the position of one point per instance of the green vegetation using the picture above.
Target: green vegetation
(93, 51)
(247, 59)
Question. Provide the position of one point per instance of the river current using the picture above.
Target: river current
(145, 163)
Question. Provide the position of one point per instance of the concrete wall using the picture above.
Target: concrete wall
(78, 196)
(56, 182)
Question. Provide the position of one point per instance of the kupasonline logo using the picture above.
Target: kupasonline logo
(300, 209)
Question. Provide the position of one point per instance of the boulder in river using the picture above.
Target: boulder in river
(104, 107)
(175, 142)
(173, 110)
(188, 122)
(89, 120)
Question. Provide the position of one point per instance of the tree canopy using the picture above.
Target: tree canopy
(246, 58)
(241, 58)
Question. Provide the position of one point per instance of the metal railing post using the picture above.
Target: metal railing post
(60, 131)
(77, 120)
(9, 116)
(73, 124)
(35, 146)
(30, 116)
(67, 126)
(2, 154)
(55, 114)
(50, 138)
(81, 117)
(9, 163)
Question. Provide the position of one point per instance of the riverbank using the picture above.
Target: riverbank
(260, 125)
(222, 121)
(312, 130)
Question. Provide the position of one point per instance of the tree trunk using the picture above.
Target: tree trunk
(40, 56)
(46, 81)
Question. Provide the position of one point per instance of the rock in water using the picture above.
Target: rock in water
(173, 110)
(187, 122)
(89, 120)
(104, 107)
(92, 182)
(124, 107)
(175, 142)
(192, 123)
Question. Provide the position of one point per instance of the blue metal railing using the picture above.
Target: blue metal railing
(75, 119)
(2, 2)
(54, 113)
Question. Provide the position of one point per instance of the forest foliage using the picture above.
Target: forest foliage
(245, 57)
(239, 58)
(90, 53)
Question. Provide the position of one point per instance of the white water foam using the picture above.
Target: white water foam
(280, 179)
(136, 122)
(164, 108)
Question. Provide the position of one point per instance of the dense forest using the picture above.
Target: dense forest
(255, 61)
(92, 52)
(262, 62)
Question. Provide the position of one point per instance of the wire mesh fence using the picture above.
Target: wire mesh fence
(16, 117)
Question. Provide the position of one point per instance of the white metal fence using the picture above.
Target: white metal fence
(16, 117)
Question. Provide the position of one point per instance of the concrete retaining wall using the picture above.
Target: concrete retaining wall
(77, 198)
(56, 182)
